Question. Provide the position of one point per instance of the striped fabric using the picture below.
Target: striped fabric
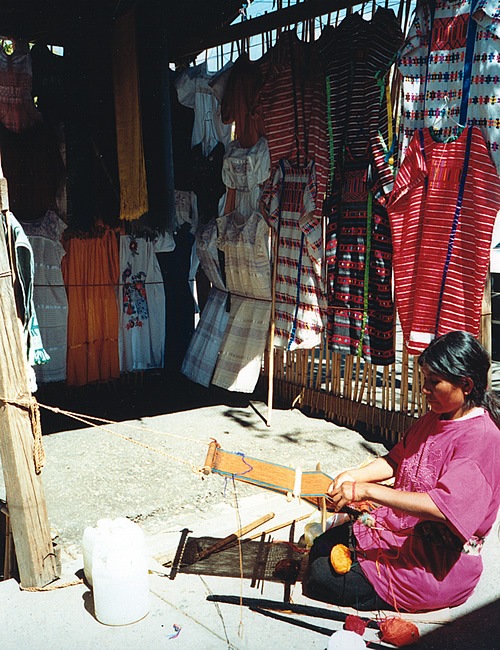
(203, 349)
(442, 212)
(450, 63)
(289, 198)
(292, 102)
(245, 244)
(357, 56)
(359, 267)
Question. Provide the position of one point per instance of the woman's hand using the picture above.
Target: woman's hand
(347, 475)
(346, 492)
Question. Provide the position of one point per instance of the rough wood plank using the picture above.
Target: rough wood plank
(25, 496)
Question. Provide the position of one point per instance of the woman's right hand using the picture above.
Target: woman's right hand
(347, 475)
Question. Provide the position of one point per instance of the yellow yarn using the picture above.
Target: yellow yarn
(340, 558)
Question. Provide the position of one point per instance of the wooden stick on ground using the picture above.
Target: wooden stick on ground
(222, 543)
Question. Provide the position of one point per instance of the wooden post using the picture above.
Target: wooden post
(25, 499)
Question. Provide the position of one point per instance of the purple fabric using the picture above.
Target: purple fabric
(457, 462)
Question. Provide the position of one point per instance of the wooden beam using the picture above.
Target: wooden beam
(25, 498)
(269, 21)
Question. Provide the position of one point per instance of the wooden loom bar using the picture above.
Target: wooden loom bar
(272, 476)
(274, 20)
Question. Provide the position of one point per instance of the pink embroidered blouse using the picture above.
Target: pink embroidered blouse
(423, 565)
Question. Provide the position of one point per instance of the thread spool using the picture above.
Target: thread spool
(399, 632)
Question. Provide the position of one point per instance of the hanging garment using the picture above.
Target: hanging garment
(207, 180)
(90, 271)
(292, 102)
(357, 56)
(245, 170)
(17, 109)
(289, 201)
(142, 306)
(238, 103)
(194, 91)
(23, 269)
(203, 349)
(442, 212)
(359, 265)
(450, 65)
(49, 294)
(130, 147)
(34, 169)
(245, 244)
(49, 83)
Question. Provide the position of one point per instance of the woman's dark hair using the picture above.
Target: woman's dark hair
(458, 356)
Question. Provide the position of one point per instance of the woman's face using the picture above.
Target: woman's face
(443, 397)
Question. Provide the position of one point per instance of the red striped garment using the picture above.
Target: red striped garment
(289, 200)
(441, 248)
(292, 102)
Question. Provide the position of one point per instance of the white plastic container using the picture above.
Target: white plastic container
(91, 535)
(118, 563)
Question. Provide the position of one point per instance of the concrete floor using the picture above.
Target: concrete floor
(93, 473)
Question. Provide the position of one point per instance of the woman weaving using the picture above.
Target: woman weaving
(420, 549)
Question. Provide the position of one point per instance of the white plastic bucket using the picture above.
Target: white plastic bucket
(117, 563)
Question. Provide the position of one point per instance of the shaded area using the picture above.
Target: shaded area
(134, 396)
(478, 630)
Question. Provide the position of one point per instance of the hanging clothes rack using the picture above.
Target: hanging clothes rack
(278, 19)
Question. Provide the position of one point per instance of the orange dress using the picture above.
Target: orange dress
(90, 270)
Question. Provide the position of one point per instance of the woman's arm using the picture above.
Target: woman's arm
(379, 469)
(418, 504)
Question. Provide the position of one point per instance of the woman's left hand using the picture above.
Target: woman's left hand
(347, 492)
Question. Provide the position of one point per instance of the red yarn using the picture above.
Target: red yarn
(399, 632)
(355, 624)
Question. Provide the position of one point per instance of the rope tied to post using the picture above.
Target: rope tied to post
(30, 404)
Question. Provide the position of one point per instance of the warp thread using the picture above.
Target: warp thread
(399, 632)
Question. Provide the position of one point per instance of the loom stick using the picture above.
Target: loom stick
(293, 621)
(307, 626)
(230, 539)
(295, 608)
(179, 554)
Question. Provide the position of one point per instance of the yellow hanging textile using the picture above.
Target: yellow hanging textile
(130, 148)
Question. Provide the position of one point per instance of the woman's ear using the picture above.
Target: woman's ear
(468, 386)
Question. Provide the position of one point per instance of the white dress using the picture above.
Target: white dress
(245, 170)
(49, 294)
(141, 301)
(245, 243)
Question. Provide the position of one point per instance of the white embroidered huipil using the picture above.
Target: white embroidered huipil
(194, 91)
(450, 64)
(141, 301)
(203, 349)
(245, 243)
(245, 170)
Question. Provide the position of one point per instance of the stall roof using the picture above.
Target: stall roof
(54, 21)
